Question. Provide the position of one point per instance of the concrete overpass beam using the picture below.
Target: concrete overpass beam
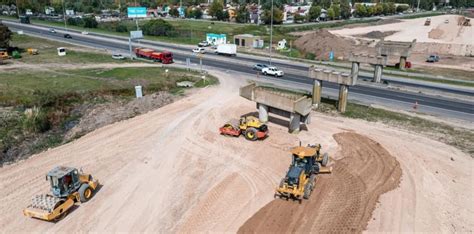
(295, 120)
(317, 89)
(343, 92)
(378, 73)
(355, 70)
(262, 112)
(403, 61)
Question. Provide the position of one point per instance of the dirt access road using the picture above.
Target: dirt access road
(169, 170)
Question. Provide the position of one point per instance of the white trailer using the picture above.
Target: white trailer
(227, 49)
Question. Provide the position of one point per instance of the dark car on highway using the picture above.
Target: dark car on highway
(67, 36)
(259, 66)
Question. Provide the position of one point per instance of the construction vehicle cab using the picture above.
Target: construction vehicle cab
(299, 181)
(64, 181)
(68, 186)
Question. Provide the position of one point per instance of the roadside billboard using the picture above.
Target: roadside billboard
(136, 12)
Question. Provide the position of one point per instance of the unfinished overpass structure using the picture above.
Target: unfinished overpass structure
(396, 48)
(286, 103)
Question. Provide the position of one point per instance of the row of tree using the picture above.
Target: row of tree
(95, 6)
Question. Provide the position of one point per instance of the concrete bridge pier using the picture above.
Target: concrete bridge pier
(343, 93)
(295, 120)
(355, 70)
(262, 112)
(317, 87)
(403, 61)
(378, 73)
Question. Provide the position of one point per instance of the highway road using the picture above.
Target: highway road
(295, 73)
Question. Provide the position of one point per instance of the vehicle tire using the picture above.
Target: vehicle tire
(251, 134)
(85, 192)
(307, 191)
(264, 73)
(325, 160)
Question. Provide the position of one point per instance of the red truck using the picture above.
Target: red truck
(163, 57)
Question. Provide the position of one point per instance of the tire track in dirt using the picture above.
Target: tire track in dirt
(341, 202)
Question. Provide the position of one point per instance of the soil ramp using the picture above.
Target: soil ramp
(342, 201)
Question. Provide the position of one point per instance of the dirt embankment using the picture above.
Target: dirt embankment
(342, 201)
(322, 42)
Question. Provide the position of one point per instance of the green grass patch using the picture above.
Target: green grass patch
(458, 137)
(48, 52)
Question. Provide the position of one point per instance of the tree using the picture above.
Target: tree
(385, 8)
(378, 9)
(314, 13)
(225, 16)
(337, 10)
(360, 10)
(216, 9)
(157, 27)
(402, 8)
(325, 4)
(370, 11)
(90, 22)
(174, 12)
(345, 9)
(391, 8)
(189, 12)
(121, 28)
(197, 13)
(243, 15)
(277, 16)
(299, 18)
(5, 36)
(330, 13)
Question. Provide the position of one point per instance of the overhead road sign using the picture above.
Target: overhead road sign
(136, 12)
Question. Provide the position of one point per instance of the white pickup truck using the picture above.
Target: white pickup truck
(272, 71)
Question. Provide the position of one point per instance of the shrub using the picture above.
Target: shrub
(35, 120)
(90, 22)
(121, 28)
(157, 27)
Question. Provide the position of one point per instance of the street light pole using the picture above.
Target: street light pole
(271, 33)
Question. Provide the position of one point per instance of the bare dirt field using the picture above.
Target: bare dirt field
(443, 37)
(169, 170)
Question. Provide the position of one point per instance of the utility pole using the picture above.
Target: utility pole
(271, 34)
(258, 13)
(17, 9)
(418, 6)
(64, 15)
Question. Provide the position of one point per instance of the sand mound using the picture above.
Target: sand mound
(341, 202)
(321, 42)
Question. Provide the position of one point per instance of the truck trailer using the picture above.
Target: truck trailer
(164, 57)
(227, 49)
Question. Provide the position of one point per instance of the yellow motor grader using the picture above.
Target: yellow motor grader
(68, 186)
(300, 179)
